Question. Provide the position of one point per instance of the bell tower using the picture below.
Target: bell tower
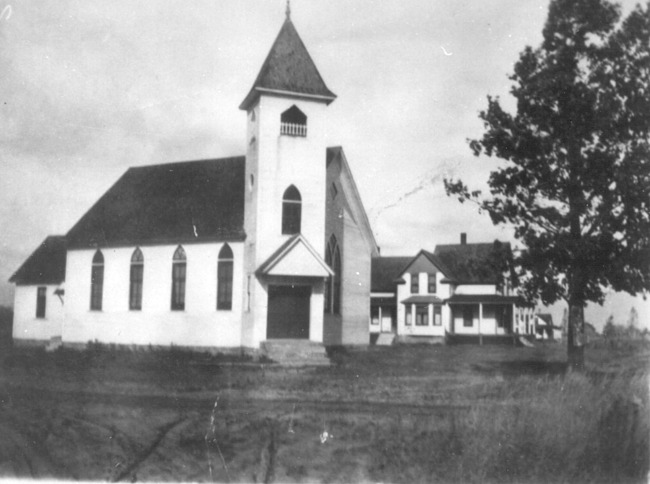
(286, 111)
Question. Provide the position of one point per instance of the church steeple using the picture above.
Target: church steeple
(289, 70)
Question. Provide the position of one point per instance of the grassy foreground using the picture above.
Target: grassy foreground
(391, 414)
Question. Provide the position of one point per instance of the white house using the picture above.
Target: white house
(545, 329)
(454, 291)
(223, 253)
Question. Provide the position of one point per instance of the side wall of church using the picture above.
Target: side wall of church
(199, 324)
(355, 291)
(26, 326)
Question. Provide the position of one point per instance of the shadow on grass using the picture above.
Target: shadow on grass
(518, 368)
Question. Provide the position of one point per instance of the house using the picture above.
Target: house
(273, 245)
(453, 291)
(545, 329)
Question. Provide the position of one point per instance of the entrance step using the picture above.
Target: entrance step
(295, 352)
(385, 339)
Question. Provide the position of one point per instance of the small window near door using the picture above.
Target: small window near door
(374, 315)
(40, 302)
(468, 316)
(421, 315)
(409, 315)
(437, 315)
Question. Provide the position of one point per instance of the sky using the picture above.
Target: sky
(90, 88)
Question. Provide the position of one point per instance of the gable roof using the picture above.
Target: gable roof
(384, 271)
(473, 263)
(295, 257)
(46, 265)
(347, 183)
(182, 202)
(289, 69)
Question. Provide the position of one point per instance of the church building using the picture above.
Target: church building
(221, 253)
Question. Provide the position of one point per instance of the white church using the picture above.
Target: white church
(223, 253)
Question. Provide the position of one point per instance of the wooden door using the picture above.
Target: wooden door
(288, 312)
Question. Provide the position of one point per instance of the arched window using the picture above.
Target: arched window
(333, 283)
(293, 122)
(224, 278)
(291, 211)
(179, 266)
(97, 281)
(135, 286)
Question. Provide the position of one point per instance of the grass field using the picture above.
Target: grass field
(389, 414)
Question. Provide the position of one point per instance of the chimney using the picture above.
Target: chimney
(463, 238)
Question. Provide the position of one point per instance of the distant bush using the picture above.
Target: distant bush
(560, 429)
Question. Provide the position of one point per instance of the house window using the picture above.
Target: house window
(333, 283)
(415, 283)
(40, 302)
(437, 315)
(421, 315)
(468, 316)
(97, 281)
(293, 122)
(179, 268)
(432, 283)
(224, 278)
(408, 320)
(291, 211)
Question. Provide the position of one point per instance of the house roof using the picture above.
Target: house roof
(474, 263)
(182, 202)
(485, 299)
(385, 270)
(422, 299)
(46, 265)
(289, 69)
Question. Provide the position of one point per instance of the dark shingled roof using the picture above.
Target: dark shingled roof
(46, 265)
(385, 270)
(290, 69)
(184, 202)
(474, 263)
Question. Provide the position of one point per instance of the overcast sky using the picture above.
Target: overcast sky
(90, 88)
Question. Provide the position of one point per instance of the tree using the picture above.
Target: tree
(609, 330)
(633, 320)
(575, 181)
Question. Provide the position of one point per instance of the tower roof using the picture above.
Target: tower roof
(289, 70)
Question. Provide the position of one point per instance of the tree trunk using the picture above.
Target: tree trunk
(576, 336)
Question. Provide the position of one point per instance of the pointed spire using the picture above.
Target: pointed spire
(289, 70)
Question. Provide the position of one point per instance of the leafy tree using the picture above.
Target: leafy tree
(575, 182)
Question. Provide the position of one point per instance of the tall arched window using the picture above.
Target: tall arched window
(333, 283)
(179, 266)
(97, 281)
(135, 286)
(291, 211)
(224, 278)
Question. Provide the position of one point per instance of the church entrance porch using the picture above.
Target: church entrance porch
(288, 312)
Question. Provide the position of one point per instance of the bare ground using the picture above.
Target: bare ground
(166, 418)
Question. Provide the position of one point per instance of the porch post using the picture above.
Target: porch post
(480, 318)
